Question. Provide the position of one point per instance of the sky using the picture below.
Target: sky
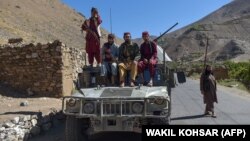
(154, 16)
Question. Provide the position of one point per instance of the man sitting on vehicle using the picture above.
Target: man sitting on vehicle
(148, 58)
(110, 54)
(129, 54)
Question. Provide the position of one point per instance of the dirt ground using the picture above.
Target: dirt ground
(10, 104)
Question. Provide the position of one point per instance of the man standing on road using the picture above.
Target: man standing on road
(208, 90)
(129, 54)
(92, 27)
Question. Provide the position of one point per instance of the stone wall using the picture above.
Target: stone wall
(22, 128)
(220, 73)
(42, 69)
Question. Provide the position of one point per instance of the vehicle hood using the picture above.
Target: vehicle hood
(126, 92)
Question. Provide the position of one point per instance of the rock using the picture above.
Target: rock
(34, 55)
(21, 118)
(15, 40)
(8, 125)
(11, 138)
(34, 122)
(63, 45)
(43, 98)
(25, 103)
(58, 48)
(2, 136)
(28, 56)
(21, 123)
(15, 120)
(19, 132)
(35, 130)
(27, 125)
(34, 117)
(26, 118)
(2, 129)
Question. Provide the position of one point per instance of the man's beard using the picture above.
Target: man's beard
(208, 72)
(127, 41)
(111, 43)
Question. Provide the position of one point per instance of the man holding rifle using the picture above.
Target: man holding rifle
(91, 26)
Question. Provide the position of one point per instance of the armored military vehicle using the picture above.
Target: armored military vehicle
(96, 108)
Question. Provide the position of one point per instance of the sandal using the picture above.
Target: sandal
(122, 84)
(213, 115)
(132, 84)
(150, 84)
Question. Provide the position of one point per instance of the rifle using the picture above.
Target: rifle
(91, 31)
(165, 32)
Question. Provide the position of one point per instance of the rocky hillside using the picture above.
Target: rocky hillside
(41, 21)
(227, 31)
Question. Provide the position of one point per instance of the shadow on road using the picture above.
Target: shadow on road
(115, 136)
(188, 117)
(22, 113)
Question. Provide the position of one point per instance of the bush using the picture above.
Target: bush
(239, 71)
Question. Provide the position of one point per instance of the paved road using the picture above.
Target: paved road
(187, 108)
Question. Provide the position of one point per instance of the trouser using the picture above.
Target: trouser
(92, 55)
(93, 50)
(209, 102)
(123, 67)
(151, 65)
(108, 67)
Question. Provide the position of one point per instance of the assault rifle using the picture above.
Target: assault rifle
(90, 31)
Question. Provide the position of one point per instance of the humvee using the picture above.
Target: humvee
(95, 108)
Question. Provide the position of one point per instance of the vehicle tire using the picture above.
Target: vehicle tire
(160, 121)
(75, 129)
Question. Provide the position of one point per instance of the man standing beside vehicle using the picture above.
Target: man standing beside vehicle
(92, 27)
(129, 54)
(208, 90)
(110, 54)
(148, 59)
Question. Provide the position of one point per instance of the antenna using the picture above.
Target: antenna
(110, 21)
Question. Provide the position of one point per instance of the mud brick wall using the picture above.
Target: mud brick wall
(42, 69)
(221, 73)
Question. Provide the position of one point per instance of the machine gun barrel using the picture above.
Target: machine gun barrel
(165, 32)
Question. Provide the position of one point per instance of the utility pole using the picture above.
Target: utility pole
(205, 60)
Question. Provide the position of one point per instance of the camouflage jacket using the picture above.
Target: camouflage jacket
(128, 52)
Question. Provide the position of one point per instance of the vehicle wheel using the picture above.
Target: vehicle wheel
(75, 129)
(160, 121)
